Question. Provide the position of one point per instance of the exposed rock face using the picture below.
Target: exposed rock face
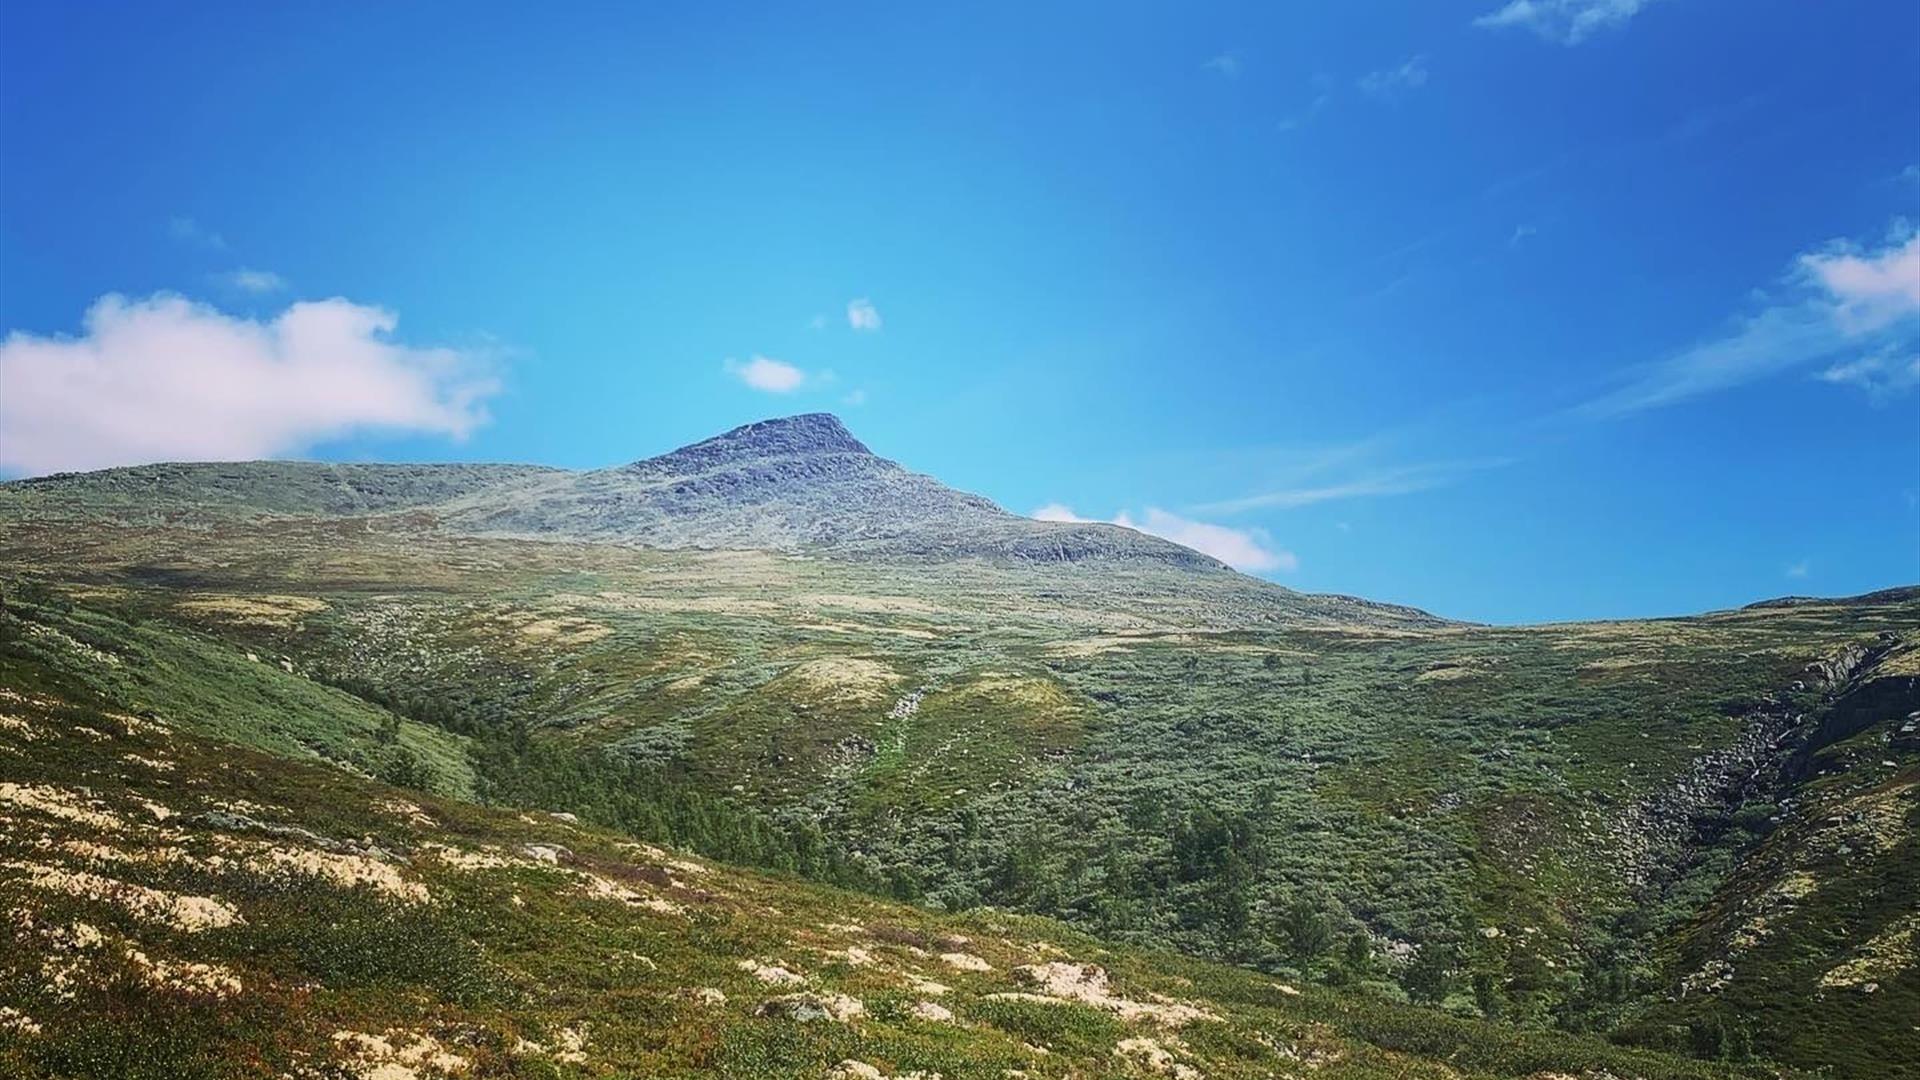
(791, 484)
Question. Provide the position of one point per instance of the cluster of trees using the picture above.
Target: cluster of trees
(642, 799)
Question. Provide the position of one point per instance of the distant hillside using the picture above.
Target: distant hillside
(795, 484)
(792, 484)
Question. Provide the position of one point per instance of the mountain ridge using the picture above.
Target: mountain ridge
(801, 484)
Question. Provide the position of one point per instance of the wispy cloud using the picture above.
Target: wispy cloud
(1800, 569)
(1251, 550)
(1226, 65)
(1322, 97)
(1520, 235)
(1839, 304)
(1341, 478)
(1884, 376)
(1389, 84)
(767, 375)
(1565, 22)
(863, 316)
(256, 282)
(854, 398)
(188, 231)
(167, 379)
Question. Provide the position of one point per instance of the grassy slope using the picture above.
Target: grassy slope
(165, 919)
(1499, 797)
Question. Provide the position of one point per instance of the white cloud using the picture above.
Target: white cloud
(1567, 22)
(768, 375)
(188, 231)
(1870, 289)
(1521, 233)
(818, 322)
(1883, 376)
(1841, 301)
(1242, 549)
(256, 282)
(1250, 550)
(165, 378)
(855, 398)
(1388, 84)
(1057, 512)
(1799, 569)
(1226, 65)
(862, 315)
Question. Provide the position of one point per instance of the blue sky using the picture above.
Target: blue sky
(1557, 309)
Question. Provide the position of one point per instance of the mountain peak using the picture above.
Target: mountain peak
(818, 433)
(806, 435)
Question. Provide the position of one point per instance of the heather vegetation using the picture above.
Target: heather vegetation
(1504, 848)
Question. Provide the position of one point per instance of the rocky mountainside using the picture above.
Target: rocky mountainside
(790, 484)
(799, 484)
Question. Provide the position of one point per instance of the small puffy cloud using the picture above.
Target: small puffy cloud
(1242, 549)
(165, 378)
(1389, 84)
(1856, 308)
(1057, 512)
(862, 315)
(1870, 288)
(257, 282)
(1250, 550)
(767, 374)
(1566, 22)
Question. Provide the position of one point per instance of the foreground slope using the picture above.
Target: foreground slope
(182, 907)
(1558, 827)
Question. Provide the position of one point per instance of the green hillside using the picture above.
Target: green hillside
(184, 907)
(1693, 837)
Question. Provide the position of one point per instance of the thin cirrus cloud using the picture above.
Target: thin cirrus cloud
(168, 379)
(1372, 483)
(1389, 84)
(767, 375)
(1856, 308)
(1884, 376)
(1251, 550)
(863, 316)
(1564, 22)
